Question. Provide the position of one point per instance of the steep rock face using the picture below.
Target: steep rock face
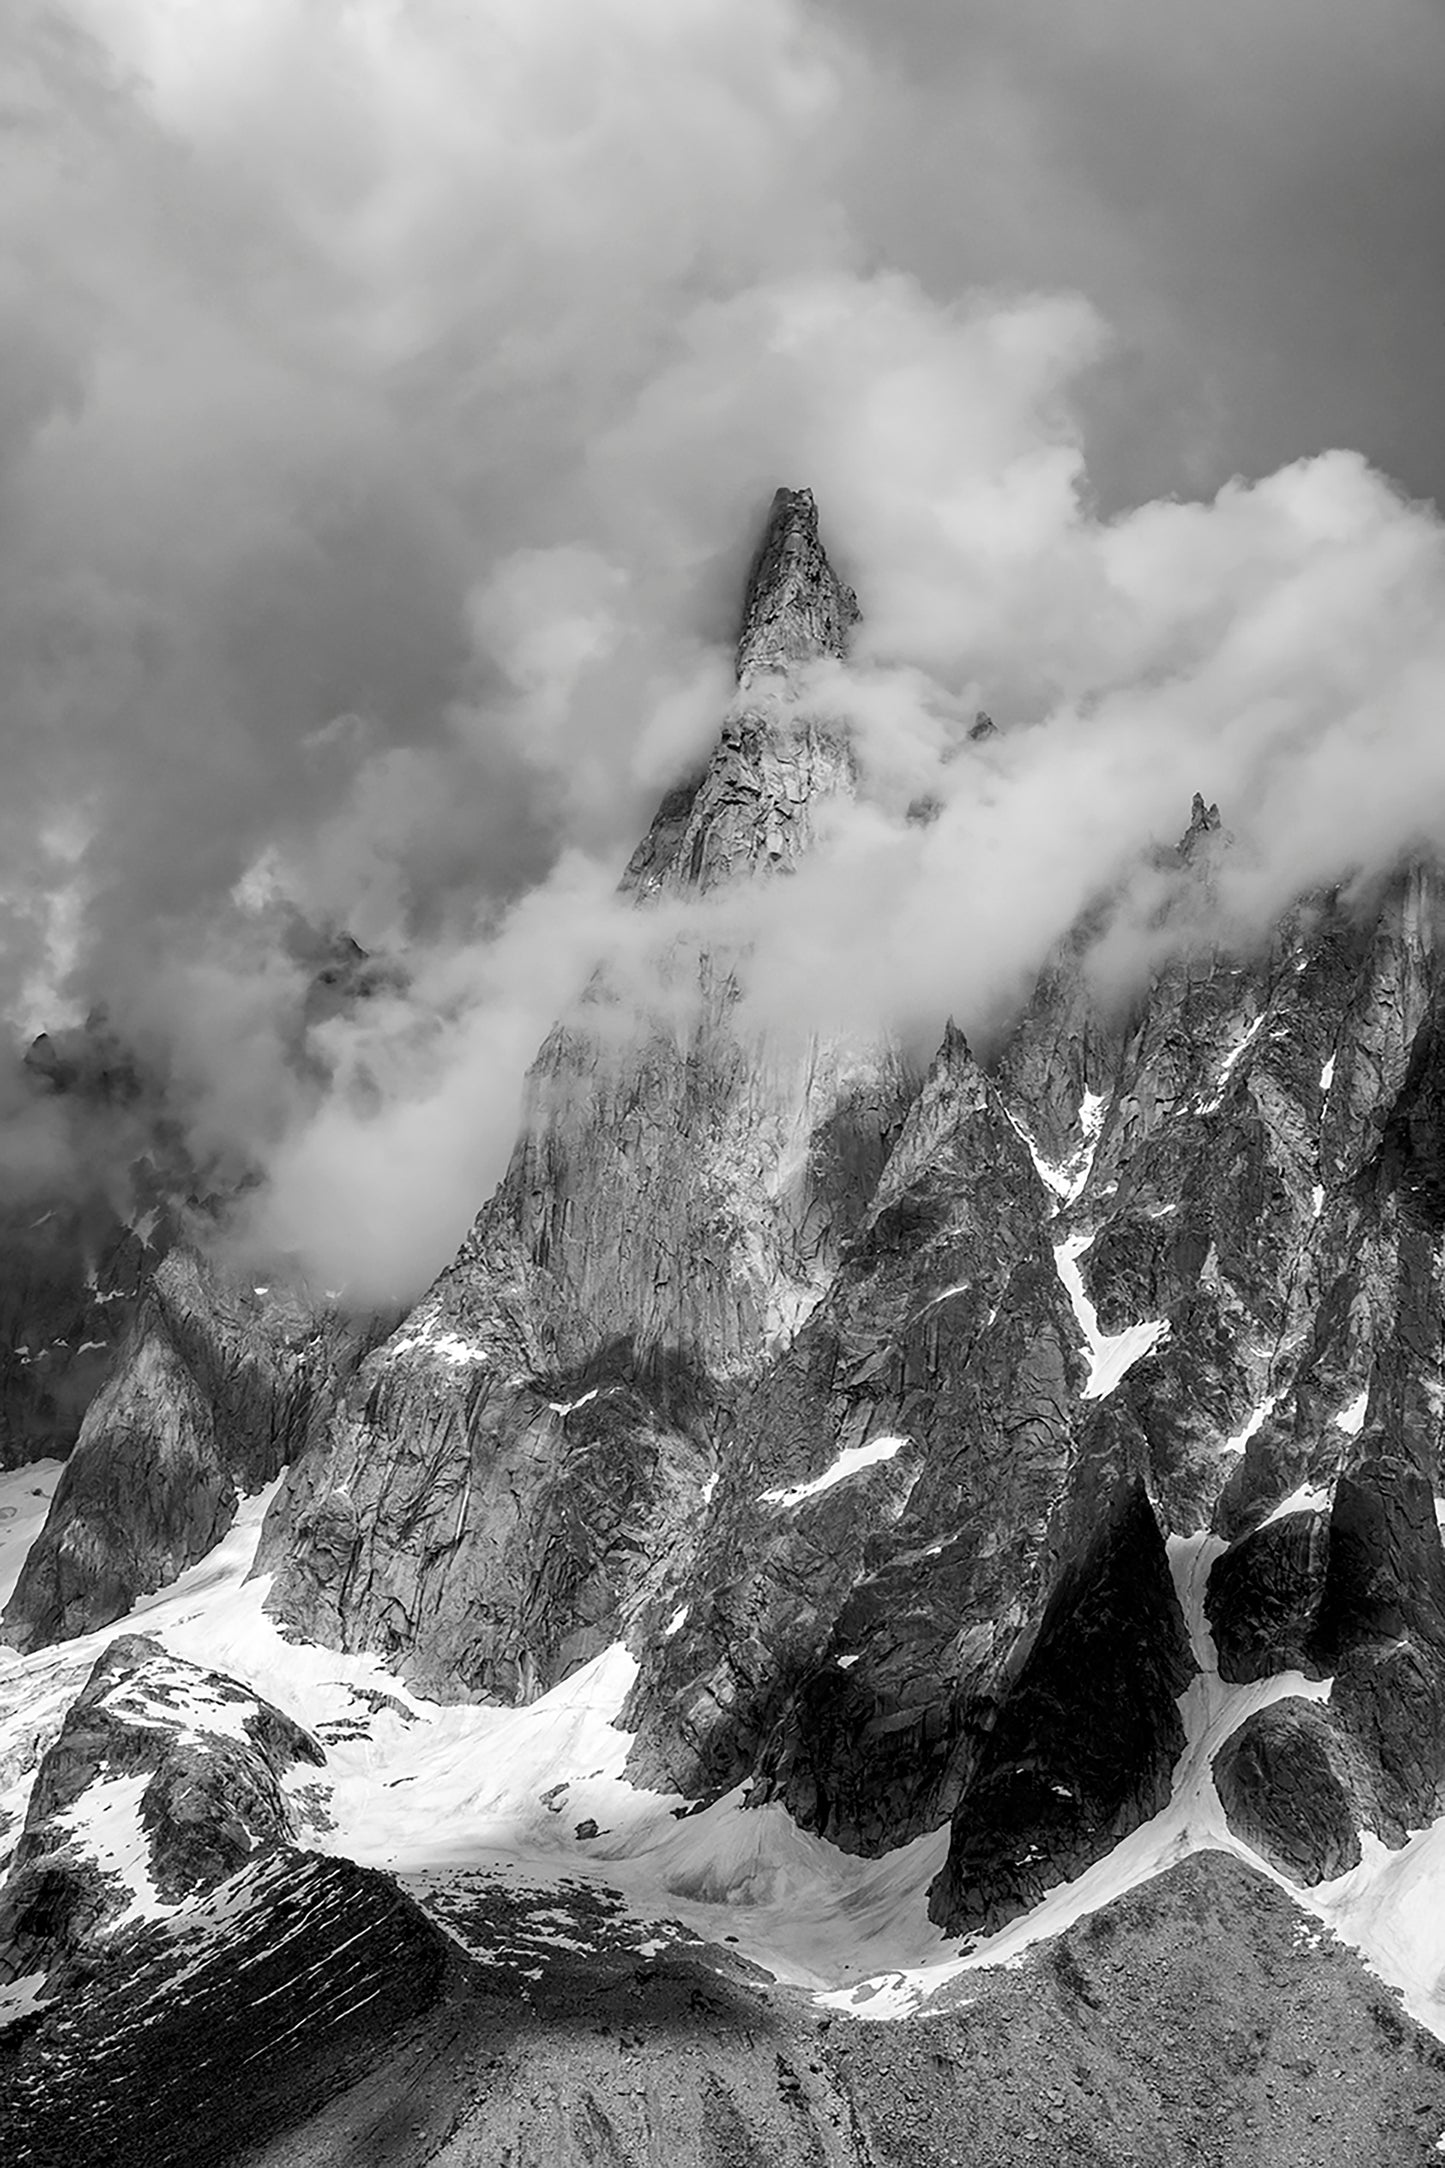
(162, 1783)
(796, 607)
(1264, 1597)
(71, 1280)
(881, 1531)
(1082, 1744)
(216, 1389)
(517, 1469)
(107, 1178)
(1256, 1172)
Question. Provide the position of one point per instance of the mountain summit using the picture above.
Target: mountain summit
(796, 609)
(890, 1522)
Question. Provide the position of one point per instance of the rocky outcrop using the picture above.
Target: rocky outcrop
(1264, 1596)
(1292, 1790)
(216, 1389)
(103, 1177)
(71, 1280)
(517, 1472)
(213, 2033)
(83, 1223)
(795, 608)
(163, 1782)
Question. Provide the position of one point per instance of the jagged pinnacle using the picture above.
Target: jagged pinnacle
(796, 606)
(1203, 821)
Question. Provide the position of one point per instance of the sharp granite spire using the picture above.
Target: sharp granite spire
(683, 1189)
(752, 808)
(796, 607)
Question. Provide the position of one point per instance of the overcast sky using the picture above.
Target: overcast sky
(393, 388)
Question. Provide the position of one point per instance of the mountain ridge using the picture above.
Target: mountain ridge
(943, 1500)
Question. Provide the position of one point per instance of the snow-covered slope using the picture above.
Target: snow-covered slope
(447, 1797)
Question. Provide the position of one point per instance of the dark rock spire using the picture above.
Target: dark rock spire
(1203, 821)
(796, 607)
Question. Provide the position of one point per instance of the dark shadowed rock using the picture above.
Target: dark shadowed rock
(839, 1629)
(1264, 1597)
(1082, 1743)
(1293, 1790)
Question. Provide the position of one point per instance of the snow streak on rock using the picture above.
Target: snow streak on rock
(1111, 1355)
(850, 1461)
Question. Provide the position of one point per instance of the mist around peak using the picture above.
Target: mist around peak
(373, 561)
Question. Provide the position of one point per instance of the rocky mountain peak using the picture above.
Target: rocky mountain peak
(796, 608)
(1203, 821)
(751, 809)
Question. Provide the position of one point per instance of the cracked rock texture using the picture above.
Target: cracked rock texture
(216, 1388)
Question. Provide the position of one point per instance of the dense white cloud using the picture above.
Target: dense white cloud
(395, 393)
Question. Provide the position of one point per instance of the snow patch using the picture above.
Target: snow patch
(1066, 1178)
(1111, 1355)
(25, 1495)
(945, 1294)
(1309, 1498)
(23, 1996)
(1327, 1074)
(1054, 1177)
(448, 1347)
(105, 1824)
(564, 1408)
(676, 1623)
(1352, 1419)
(849, 1462)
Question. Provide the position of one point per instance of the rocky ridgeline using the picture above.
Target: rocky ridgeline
(308, 2015)
(163, 1782)
(871, 1408)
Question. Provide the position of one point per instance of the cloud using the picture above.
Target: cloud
(395, 394)
(1248, 193)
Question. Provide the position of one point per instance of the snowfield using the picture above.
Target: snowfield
(433, 1794)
